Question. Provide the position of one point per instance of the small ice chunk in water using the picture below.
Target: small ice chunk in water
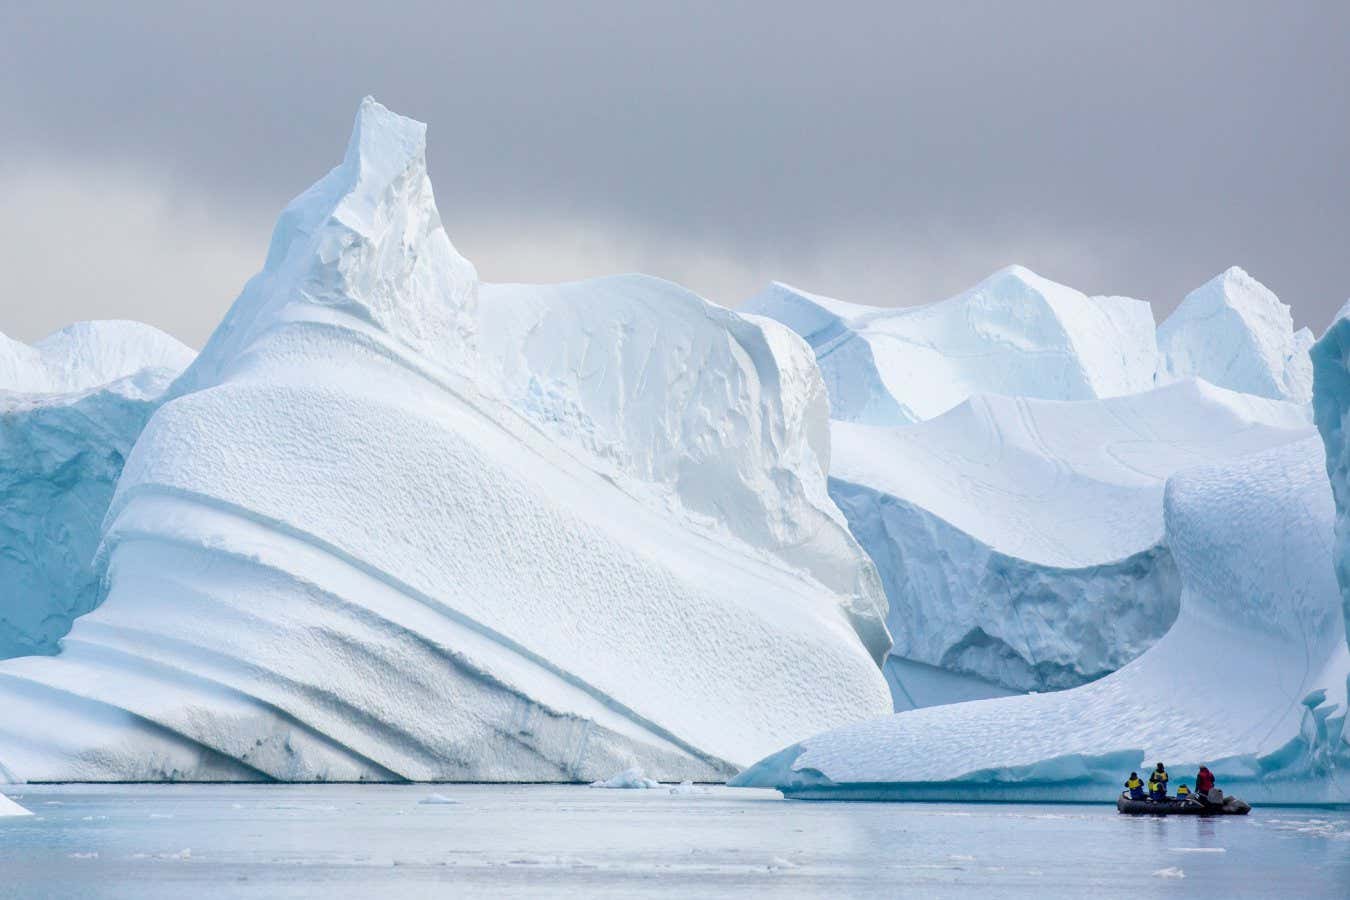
(1169, 872)
(438, 800)
(9, 808)
(628, 778)
(688, 787)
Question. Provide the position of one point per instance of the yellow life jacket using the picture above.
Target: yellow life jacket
(1160, 777)
(1183, 791)
(1134, 783)
(1152, 786)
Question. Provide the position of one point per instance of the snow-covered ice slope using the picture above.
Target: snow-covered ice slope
(71, 407)
(1232, 331)
(349, 549)
(1021, 541)
(1014, 333)
(1251, 679)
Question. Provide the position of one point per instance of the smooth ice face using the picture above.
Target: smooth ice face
(1021, 541)
(1251, 679)
(1015, 333)
(354, 545)
(73, 405)
(1233, 332)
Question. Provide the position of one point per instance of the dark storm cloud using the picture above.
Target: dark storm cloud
(889, 153)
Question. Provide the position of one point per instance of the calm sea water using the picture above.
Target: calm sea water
(199, 842)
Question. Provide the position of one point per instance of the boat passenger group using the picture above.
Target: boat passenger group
(1157, 786)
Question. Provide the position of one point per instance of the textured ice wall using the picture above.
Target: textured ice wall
(71, 406)
(1233, 332)
(1014, 333)
(1251, 679)
(336, 553)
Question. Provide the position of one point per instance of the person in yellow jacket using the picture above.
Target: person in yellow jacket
(1157, 783)
(1183, 792)
(1135, 786)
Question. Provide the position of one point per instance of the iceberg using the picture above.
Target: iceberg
(377, 531)
(1021, 541)
(1234, 332)
(1015, 333)
(1251, 679)
(71, 407)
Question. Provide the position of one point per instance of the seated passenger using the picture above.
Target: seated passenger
(1204, 781)
(1135, 786)
(1183, 792)
(1158, 783)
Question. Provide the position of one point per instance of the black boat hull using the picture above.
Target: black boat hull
(1174, 807)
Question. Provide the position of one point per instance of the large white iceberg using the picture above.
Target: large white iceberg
(1021, 540)
(1014, 333)
(1232, 331)
(1250, 679)
(362, 542)
(71, 406)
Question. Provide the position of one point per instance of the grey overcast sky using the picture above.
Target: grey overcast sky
(888, 153)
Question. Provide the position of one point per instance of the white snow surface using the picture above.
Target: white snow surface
(1021, 540)
(350, 547)
(8, 808)
(1014, 333)
(1251, 678)
(71, 406)
(1234, 332)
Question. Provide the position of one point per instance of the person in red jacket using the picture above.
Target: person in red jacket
(1204, 781)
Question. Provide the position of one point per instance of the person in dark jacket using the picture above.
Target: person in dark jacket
(1135, 786)
(1204, 781)
(1158, 783)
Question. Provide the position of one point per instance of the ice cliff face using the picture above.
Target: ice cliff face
(71, 406)
(1015, 333)
(1021, 541)
(1251, 679)
(1233, 332)
(382, 531)
(1331, 411)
